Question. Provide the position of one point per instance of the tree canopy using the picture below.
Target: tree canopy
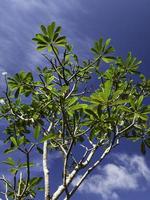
(58, 110)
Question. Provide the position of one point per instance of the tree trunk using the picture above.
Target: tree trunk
(46, 171)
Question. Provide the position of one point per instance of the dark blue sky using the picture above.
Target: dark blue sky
(83, 21)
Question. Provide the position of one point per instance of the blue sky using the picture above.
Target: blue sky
(83, 21)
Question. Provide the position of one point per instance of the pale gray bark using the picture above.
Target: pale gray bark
(45, 165)
(46, 171)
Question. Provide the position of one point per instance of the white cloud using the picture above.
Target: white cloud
(26, 4)
(127, 173)
(55, 6)
(21, 20)
(135, 162)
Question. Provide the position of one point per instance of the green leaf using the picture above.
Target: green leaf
(78, 106)
(108, 59)
(140, 100)
(132, 103)
(43, 28)
(9, 150)
(99, 44)
(99, 110)
(107, 43)
(58, 29)
(107, 89)
(146, 110)
(50, 136)
(14, 141)
(134, 137)
(91, 113)
(37, 131)
(9, 161)
(118, 102)
(49, 48)
(147, 142)
(109, 50)
(28, 78)
(75, 58)
(143, 116)
(35, 181)
(86, 99)
(125, 108)
(17, 93)
(21, 140)
(64, 89)
(41, 38)
(40, 188)
(97, 49)
(97, 98)
(61, 41)
(50, 30)
(41, 48)
(31, 164)
(49, 79)
(117, 93)
(71, 101)
(13, 170)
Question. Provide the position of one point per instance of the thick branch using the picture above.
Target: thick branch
(107, 151)
(61, 188)
(28, 176)
(45, 166)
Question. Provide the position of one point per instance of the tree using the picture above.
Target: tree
(56, 110)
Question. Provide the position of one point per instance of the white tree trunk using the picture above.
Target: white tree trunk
(46, 171)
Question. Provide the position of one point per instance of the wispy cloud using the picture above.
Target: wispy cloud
(20, 20)
(126, 174)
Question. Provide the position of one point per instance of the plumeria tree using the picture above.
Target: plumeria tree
(57, 110)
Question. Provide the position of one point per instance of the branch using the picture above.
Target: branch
(55, 68)
(80, 165)
(4, 180)
(6, 191)
(45, 165)
(19, 185)
(106, 152)
(60, 146)
(90, 156)
(7, 184)
(88, 66)
(84, 132)
(28, 177)
(66, 158)
(27, 153)
(60, 63)
(15, 180)
(61, 188)
(128, 127)
(72, 90)
(15, 114)
(71, 176)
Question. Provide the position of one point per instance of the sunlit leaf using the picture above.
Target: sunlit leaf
(37, 131)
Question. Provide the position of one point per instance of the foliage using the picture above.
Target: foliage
(57, 111)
